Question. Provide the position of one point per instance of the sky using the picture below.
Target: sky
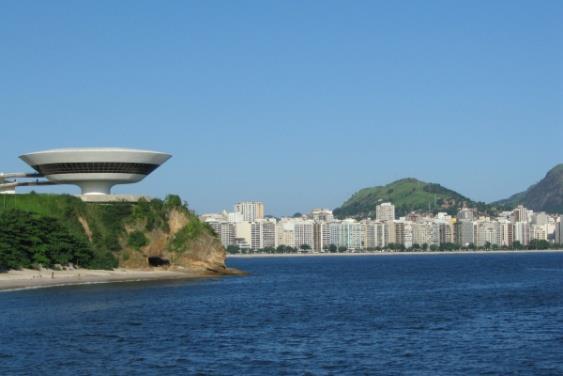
(295, 103)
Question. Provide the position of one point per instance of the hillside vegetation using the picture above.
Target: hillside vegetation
(407, 195)
(48, 230)
(546, 195)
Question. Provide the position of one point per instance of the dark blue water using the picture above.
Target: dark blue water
(413, 315)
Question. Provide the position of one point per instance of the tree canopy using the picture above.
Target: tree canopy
(28, 239)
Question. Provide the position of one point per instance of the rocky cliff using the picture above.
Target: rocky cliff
(61, 229)
(201, 250)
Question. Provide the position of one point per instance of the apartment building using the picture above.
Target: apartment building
(250, 210)
(385, 212)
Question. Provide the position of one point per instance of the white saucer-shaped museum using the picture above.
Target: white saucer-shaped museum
(95, 170)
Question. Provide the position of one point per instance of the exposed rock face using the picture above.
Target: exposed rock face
(546, 195)
(204, 252)
(207, 253)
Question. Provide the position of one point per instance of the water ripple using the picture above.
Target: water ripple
(411, 315)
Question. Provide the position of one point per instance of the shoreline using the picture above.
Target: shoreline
(389, 253)
(26, 279)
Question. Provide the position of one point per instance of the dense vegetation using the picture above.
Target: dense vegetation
(407, 195)
(49, 230)
(182, 239)
(29, 239)
(546, 195)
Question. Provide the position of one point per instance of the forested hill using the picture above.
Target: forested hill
(407, 195)
(46, 230)
(546, 195)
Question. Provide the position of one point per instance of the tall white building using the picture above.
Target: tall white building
(263, 234)
(390, 236)
(348, 233)
(520, 214)
(319, 214)
(423, 232)
(224, 230)
(321, 236)
(303, 232)
(374, 234)
(559, 231)
(538, 232)
(465, 233)
(403, 233)
(285, 232)
(506, 229)
(446, 232)
(250, 210)
(487, 231)
(522, 232)
(385, 212)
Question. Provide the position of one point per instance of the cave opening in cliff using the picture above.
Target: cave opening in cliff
(157, 261)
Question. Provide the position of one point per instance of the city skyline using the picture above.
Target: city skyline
(318, 231)
(295, 105)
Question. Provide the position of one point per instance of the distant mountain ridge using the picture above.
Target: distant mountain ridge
(411, 194)
(546, 195)
(407, 195)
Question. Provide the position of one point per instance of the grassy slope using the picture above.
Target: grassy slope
(407, 195)
(63, 207)
(105, 218)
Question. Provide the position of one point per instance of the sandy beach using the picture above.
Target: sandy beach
(28, 278)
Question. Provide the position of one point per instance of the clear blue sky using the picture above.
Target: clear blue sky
(296, 103)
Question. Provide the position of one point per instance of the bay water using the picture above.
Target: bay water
(445, 314)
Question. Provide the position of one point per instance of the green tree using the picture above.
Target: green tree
(233, 249)
(27, 238)
(137, 240)
(173, 202)
(538, 244)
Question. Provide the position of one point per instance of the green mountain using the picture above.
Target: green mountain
(50, 230)
(546, 195)
(407, 195)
